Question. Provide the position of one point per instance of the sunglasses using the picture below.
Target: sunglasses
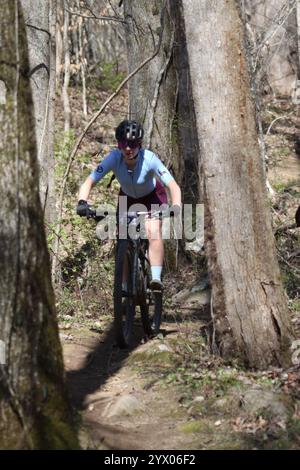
(133, 144)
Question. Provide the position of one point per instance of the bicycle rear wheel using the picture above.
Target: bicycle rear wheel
(124, 303)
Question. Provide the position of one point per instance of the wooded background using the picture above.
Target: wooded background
(199, 76)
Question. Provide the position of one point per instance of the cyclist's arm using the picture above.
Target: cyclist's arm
(85, 189)
(175, 192)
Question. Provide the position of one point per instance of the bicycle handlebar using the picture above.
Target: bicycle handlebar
(92, 214)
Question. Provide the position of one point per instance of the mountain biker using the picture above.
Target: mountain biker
(135, 169)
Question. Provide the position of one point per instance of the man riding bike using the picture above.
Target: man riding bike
(136, 170)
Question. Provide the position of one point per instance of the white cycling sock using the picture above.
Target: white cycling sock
(156, 272)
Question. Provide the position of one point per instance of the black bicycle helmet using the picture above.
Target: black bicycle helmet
(129, 130)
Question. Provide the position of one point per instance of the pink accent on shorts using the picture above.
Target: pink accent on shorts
(157, 196)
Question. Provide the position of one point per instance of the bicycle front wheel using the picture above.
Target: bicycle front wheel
(143, 303)
(155, 304)
(124, 303)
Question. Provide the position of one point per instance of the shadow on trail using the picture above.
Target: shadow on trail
(103, 360)
(94, 361)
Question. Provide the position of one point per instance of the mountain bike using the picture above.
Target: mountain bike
(132, 282)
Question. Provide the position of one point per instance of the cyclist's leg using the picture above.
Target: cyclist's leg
(156, 244)
(121, 217)
(154, 233)
(155, 255)
(155, 251)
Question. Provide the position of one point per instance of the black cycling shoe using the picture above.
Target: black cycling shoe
(156, 285)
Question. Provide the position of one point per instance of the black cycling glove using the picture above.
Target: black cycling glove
(82, 208)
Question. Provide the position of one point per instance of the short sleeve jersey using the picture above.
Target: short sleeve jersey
(139, 181)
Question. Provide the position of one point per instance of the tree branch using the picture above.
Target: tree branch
(273, 122)
(94, 17)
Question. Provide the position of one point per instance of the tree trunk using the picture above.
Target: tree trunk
(257, 89)
(250, 316)
(82, 61)
(38, 17)
(34, 408)
(67, 64)
(298, 36)
(59, 45)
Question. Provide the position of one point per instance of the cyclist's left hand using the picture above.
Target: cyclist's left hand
(82, 208)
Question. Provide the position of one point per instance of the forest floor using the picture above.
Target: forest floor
(170, 392)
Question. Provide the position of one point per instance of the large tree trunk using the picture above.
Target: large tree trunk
(38, 17)
(250, 315)
(34, 408)
(298, 36)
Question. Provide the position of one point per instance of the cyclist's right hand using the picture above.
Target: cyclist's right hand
(83, 208)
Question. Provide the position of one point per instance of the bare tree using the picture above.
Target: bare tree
(249, 310)
(82, 62)
(39, 16)
(34, 408)
(298, 34)
(89, 36)
(67, 64)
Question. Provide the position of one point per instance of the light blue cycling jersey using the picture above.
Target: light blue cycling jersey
(139, 181)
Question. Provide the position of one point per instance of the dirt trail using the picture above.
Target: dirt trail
(123, 405)
(170, 393)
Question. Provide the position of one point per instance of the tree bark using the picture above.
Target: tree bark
(250, 316)
(67, 64)
(298, 35)
(34, 408)
(82, 61)
(38, 17)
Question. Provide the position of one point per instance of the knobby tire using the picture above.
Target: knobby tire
(124, 307)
